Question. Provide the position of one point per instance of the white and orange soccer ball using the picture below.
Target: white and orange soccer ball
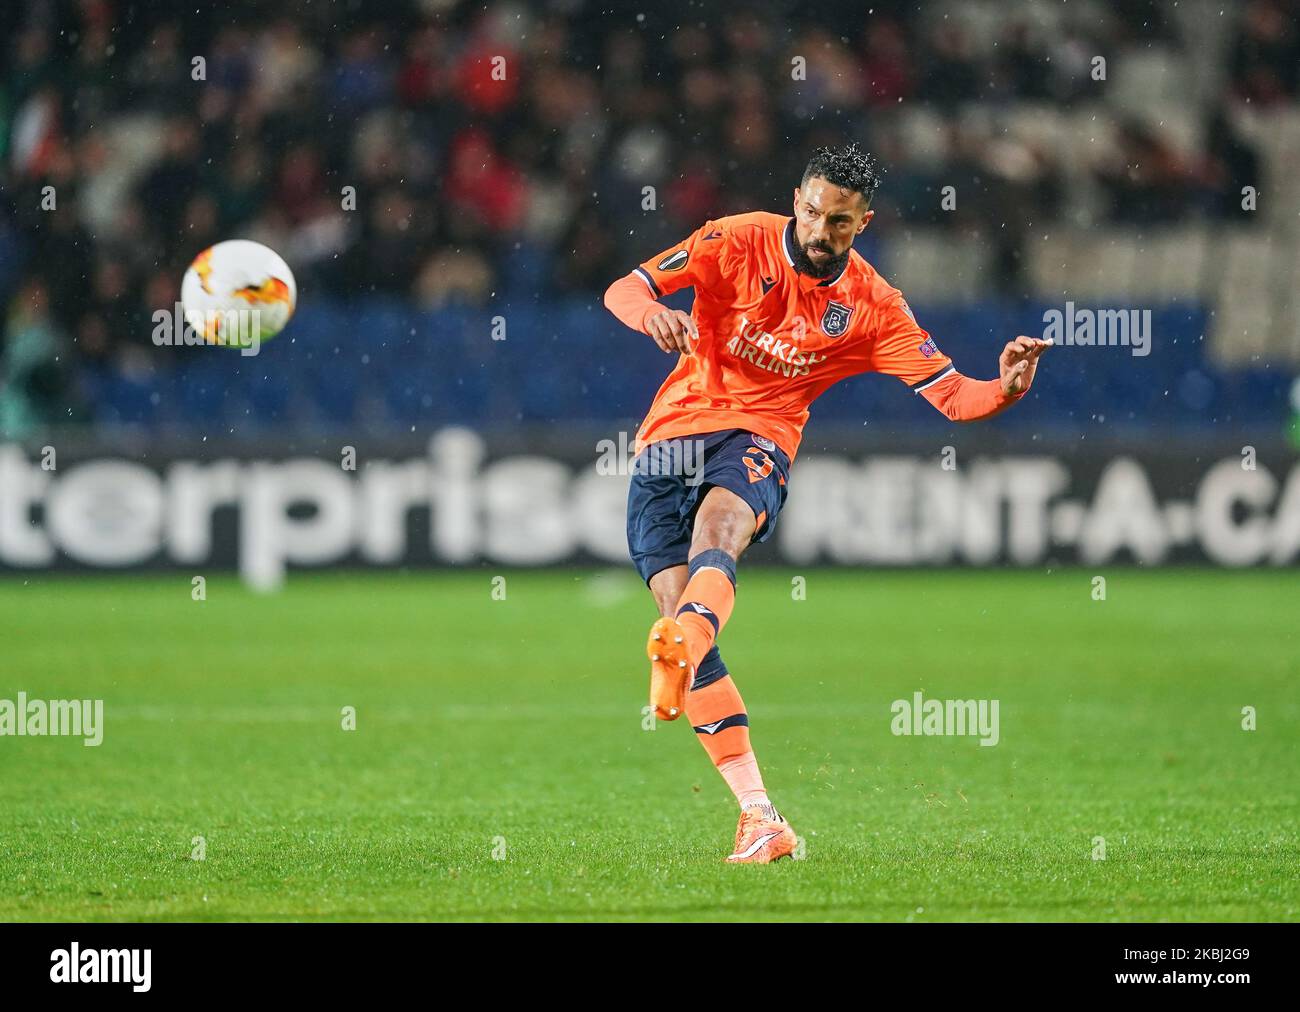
(238, 292)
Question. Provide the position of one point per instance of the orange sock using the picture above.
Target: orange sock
(718, 714)
(703, 609)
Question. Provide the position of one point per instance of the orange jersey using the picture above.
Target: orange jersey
(772, 339)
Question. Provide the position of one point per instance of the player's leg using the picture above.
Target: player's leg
(669, 683)
(736, 501)
(746, 495)
(732, 511)
(667, 586)
(684, 639)
(660, 507)
(724, 527)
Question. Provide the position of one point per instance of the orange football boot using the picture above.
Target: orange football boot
(762, 837)
(671, 672)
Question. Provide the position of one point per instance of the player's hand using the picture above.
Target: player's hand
(673, 331)
(1019, 361)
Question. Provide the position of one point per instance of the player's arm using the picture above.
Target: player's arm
(634, 297)
(630, 300)
(968, 400)
(904, 349)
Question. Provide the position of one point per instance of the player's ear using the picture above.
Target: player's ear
(795, 205)
(866, 220)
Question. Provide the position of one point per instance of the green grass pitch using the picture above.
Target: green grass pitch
(499, 768)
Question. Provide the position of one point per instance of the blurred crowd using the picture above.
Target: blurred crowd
(446, 152)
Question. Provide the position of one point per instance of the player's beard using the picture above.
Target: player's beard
(831, 267)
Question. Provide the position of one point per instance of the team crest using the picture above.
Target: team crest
(766, 444)
(928, 348)
(674, 261)
(835, 321)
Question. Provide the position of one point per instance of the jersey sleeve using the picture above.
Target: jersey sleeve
(695, 262)
(902, 348)
(968, 400)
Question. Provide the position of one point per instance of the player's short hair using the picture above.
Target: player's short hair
(848, 166)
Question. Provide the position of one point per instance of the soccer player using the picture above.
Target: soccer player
(784, 307)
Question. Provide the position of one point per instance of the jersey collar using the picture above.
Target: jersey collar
(806, 282)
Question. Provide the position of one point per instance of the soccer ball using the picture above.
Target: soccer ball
(238, 292)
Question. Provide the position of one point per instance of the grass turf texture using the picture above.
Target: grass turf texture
(484, 724)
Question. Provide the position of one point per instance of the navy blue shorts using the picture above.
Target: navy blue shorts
(669, 479)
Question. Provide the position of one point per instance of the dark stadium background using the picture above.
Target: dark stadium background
(1112, 561)
(489, 209)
